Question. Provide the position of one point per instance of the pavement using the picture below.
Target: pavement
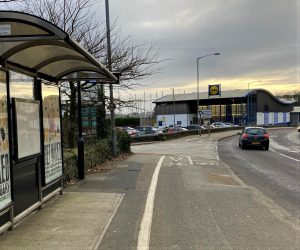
(223, 212)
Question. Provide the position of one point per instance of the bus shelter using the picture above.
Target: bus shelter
(35, 56)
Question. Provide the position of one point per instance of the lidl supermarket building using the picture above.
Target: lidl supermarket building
(242, 107)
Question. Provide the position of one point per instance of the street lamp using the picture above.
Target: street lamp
(173, 109)
(198, 117)
(249, 107)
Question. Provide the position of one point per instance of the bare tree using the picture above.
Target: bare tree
(77, 18)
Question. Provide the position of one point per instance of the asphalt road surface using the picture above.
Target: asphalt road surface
(179, 195)
(276, 173)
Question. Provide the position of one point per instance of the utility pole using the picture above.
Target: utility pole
(173, 109)
(111, 93)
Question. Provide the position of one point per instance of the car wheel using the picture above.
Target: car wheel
(243, 146)
(267, 147)
(239, 144)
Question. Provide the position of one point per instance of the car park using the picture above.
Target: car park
(254, 137)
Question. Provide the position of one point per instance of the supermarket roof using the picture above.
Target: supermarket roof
(227, 94)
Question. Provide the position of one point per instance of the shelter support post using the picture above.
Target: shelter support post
(80, 137)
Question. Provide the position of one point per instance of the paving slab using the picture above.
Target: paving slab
(74, 220)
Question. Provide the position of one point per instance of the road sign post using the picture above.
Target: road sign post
(205, 114)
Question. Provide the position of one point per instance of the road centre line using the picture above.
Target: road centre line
(145, 228)
(285, 155)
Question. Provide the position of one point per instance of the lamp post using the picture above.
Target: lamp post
(173, 109)
(249, 105)
(198, 116)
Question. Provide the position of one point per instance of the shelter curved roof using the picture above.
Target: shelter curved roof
(33, 44)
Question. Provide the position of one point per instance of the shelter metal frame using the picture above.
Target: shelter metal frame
(36, 47)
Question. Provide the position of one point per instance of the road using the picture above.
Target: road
(179, 195)
(276, 173)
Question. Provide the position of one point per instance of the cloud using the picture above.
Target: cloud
(257, 39)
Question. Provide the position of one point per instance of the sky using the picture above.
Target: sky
(258, 42)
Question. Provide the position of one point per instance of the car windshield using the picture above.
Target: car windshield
(255, 131)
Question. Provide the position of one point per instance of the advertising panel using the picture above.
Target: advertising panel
(27, 127)
(5, 183)
(52, 133)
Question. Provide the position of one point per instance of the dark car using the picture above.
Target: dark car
(145, 130)
(254, 137)
(195, 127)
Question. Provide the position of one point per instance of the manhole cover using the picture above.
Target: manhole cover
(222, 179)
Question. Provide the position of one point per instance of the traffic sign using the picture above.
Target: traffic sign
(205, 114)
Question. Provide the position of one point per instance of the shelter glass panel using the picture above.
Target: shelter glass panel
(21, 86)
(5, 183)
(52, 133)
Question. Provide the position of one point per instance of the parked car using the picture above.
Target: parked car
(158, 130)
(194, 127)
(218, 125)
(298, 129)
(228, 124)
(130, 131)
(145, 130)
(254, 137)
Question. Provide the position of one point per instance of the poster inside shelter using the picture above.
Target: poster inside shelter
(28, 128)
(52, 133)
(5, 183)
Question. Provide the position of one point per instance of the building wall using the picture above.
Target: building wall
(164, 109)
(272, 118)
(182, 120)
(267, 103)
(295, 119)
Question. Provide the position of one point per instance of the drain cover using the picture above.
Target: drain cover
(222, 179)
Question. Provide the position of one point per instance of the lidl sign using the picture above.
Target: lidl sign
(214, 89)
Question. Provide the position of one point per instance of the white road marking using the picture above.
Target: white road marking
(190, 160)
(294, 140)
(178, 159)
(145, 228)
(54, 229)
(284, 155)
(217, 154)
(192, 139)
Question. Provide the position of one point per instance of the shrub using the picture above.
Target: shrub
(124, 142)
(97, 152)
(70, 165)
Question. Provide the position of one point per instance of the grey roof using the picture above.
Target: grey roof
(31, 43)
(227, 94)
(204, 95)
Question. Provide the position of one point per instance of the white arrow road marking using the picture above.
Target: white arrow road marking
(145, 229)
(176, 159)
